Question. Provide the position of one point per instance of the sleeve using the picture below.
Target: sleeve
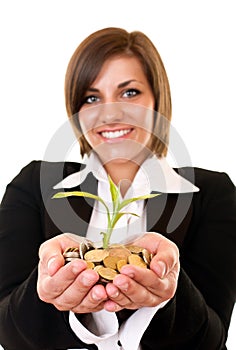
(26, 322)
(198, 317)
(102, 328)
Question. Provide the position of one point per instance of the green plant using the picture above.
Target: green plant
(118, 204)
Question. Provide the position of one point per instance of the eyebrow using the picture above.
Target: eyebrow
(125, 83)
(121, 85)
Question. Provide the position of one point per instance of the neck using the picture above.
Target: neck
(122, 174)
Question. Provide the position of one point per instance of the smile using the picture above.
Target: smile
(115, 134)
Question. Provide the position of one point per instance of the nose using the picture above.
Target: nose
(111, 112)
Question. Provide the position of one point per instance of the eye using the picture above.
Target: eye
(91, 99)
(131, 93)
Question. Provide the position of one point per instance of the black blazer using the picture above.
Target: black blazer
(203, 225)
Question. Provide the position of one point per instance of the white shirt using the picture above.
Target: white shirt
(154, 175)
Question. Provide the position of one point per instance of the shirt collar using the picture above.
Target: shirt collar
(155, 174)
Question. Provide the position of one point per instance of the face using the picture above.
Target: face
(116, 117)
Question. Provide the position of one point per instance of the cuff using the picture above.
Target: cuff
(103, 328)
(132, 330)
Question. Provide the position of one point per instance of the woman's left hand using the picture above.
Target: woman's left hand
(137, 287)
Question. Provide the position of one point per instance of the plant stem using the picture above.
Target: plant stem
(106, 237)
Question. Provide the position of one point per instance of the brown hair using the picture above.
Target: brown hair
(87, 61)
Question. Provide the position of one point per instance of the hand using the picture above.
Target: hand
(136, 287)
(71, 286)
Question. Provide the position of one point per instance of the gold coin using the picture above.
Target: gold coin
(136, 260)
(90, 265)
(122, 252)
(146, 256)
(121, 263)
(107, 273)
(111, 261)
(96, 255)
(72, 255)
(67, 260)
(97, 267)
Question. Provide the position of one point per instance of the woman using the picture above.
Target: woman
(118, 100)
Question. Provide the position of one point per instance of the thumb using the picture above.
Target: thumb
(54, 263)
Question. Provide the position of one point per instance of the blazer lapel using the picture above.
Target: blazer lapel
(170, 215)
(70, 214)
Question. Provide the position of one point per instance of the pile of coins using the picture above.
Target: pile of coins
(108, 262)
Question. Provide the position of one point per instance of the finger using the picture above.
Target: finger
(165, 259)
(80, 286)
(112, 306)
(51, 258)
(50, 287)
(164, 288)
(54, 264)
(57, 245)
(145, 277)
(117, 300)
(138, 294)
(164, 251)
(92, 301)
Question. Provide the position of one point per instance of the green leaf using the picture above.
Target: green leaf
(135, 199)
(115, 193)
(81, 194)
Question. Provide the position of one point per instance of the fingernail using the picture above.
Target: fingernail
(115, 295)
(50, 262)
(160, 269)
(96, 296)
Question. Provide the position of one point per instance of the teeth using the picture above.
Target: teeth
(114, 134)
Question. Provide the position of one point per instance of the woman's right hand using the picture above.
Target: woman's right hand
(69, 287)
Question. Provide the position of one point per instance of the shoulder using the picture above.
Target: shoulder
(38, 173)
(216, 190)
(35, 167)
(207, 179)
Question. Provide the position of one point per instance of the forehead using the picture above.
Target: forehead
(119, 68)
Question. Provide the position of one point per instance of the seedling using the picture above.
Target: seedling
(113, 215)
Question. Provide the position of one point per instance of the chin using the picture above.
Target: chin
(122, 153)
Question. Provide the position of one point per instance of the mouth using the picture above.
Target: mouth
(115, 134)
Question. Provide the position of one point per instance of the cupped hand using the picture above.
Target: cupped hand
(137, 287)
(69, 287)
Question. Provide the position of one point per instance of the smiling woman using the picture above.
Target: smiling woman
(119, 105)
(134, 73)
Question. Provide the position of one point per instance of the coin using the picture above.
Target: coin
(74, 254)
(107, 273)
(136, 260)
(121, 263)
(90, 265)
(122, 252)
(108, 262)
(111, 261)
(146, 256)
(97, 268)
(71, 254)
(96, 255)
(84, 247)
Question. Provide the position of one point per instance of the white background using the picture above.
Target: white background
(196, 40)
